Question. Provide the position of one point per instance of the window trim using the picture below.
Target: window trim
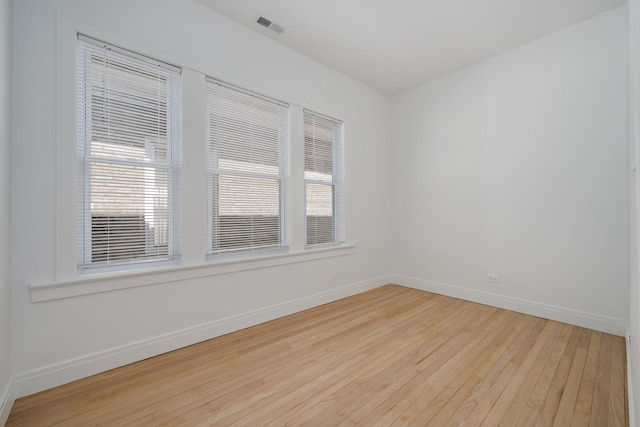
(100, 283)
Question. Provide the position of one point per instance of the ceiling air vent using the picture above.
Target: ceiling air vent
(270, 25)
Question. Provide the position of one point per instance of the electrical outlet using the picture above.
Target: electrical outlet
(335, 275)
(493, 278)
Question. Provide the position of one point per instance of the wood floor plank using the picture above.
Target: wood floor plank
(421, 356)
(437, 325)
(345, 341)
(617, 403)
(553, 395)
(400, 327)
(549, 357)
(450, 384)
(569, 396)
(432, 363)
(493, 354)
(483, 398)
(529, 410)
(500, 408)
(600, 403)
(582, 410)
(235, 385)
(390, 355)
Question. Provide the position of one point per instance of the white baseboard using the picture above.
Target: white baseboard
(566, 315)
(84, 366)
(6, 402)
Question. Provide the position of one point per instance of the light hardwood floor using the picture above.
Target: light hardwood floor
(390, 356)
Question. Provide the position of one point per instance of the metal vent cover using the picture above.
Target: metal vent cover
(269, 24)
(263, 21)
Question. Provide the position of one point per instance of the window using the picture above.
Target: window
(324, 180)
(247, 142)
(128, 153)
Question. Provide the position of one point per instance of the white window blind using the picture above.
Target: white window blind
(247, 143)
(128, 152)
(324, 179)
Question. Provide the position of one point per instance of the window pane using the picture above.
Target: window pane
(247, 213)
(129, 212)
(318, 149)
(320, 221)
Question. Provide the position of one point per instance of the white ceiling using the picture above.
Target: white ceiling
(394, 45)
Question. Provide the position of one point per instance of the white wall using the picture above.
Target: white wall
(633, 345)
(6, 372)
(63, 339)
(517, 166)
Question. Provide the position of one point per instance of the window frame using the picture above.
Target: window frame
(337, 183)
(85, 262)
(214, 172)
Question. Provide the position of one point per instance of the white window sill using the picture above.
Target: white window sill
(112, 282)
